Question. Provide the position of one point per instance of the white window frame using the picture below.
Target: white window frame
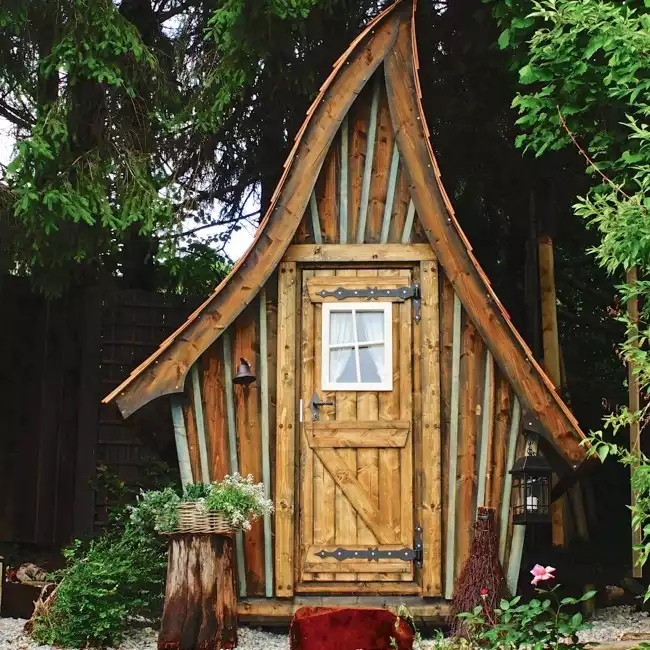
(384, 307)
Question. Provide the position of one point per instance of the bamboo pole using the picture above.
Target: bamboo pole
(634, 406)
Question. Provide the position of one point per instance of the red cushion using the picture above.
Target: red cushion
(340, 628)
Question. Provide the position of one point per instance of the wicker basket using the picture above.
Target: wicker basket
(193, 520)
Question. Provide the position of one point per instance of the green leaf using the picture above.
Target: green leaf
(504, 39)
(603, 452)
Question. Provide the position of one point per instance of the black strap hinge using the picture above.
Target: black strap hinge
(415, 554)
(374, 293)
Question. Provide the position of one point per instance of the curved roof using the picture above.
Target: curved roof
(388, 39)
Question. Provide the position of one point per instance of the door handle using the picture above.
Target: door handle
(315, 404)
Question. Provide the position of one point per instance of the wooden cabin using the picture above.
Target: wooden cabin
(390, 384)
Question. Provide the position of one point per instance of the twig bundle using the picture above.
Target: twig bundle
(481, 580)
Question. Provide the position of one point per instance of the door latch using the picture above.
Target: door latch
(315, 404)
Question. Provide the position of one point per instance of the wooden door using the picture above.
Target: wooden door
(356, 459)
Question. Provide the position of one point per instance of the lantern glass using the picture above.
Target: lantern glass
(531, 490)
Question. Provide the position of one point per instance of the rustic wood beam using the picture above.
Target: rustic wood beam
(333, 253)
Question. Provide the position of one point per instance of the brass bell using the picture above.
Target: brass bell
(244, 375)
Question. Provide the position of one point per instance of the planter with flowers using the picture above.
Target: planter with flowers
(200, 600)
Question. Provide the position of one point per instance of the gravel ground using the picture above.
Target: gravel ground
(607, 625)
(611, 623)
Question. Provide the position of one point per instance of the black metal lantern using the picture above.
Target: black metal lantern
(531, 486)
(244, 375)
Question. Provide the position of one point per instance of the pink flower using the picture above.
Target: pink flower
(484, 592)
(541, 573)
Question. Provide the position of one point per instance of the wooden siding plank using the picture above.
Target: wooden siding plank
(327, 197)
(315, 220)
(472, 346)
(180, 438)
(215, 411)
(286, 442)
(192, 435)
(503, 409)
(333, 253)
(486, 429)
(232, 446)
(266, 442)
(514, 560)
(200, 424)
(390, 195)
(249, 438)
(400, 207)
(454, 253)
(359, 117)
(450, 566)
(379, 185)
(408, 225)
(431, 480)
(370, 154)
(343, 184)
(504, 516)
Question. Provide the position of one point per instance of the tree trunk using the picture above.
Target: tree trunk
(200, 610)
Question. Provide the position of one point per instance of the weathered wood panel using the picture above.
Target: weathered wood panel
(249, 436)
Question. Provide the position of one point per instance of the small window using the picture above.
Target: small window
(357, 346)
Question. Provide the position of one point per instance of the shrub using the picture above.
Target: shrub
(118, 576)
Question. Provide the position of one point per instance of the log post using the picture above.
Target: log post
(200, 611)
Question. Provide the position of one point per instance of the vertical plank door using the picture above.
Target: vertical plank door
(356, 457)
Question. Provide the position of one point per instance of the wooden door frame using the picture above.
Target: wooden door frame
(368, 586)
(426, 427)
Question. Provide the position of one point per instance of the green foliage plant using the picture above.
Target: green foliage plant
(239, 498)
(538, 624)
(584, 73)
(116, 577)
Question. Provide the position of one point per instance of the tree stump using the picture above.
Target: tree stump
(200, 611)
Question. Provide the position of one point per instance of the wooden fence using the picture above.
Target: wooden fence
(57, 359)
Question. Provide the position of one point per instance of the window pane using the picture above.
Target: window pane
(370, 326)
(343, 365)
(371, 362)
(341, 330)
